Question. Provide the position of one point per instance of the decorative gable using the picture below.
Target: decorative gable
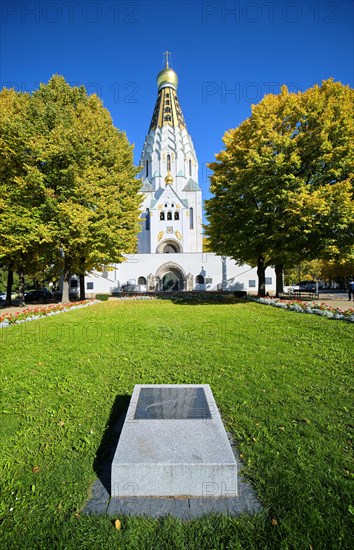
(191, 186)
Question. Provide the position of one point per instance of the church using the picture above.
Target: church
(170, 253)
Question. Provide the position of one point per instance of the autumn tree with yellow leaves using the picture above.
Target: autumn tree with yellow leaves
(283, 186)
(76, 179)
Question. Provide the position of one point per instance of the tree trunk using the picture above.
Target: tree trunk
(21, 287)
(82, 287)
(279, 274)
(66, 285)
(10, 282)
(261, 275)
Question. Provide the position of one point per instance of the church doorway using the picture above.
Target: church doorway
(171, 277)
(170, 282)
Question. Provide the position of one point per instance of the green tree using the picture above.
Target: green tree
(283, 186)
(89, 175)
(22, 231)
(82, 176)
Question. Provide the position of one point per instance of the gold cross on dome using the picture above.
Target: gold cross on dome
(166, 54)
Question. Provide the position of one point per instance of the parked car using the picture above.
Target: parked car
(309, 286)
(2, 295)
(291, 289)
(43, 295)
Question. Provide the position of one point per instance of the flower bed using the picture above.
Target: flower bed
(26, 315)
(305, 307)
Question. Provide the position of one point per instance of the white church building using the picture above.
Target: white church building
(170, 253)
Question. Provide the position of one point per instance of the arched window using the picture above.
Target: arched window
(199, 280)
(147, 219)
(190, 167)
(169, 215)
(141, 281)
(162, 215)
(170, 249)
(176, 215)
(168, 163)
(147, 168)
(191, 220)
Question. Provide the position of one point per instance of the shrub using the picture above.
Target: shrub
(240, 293)
(102, 297)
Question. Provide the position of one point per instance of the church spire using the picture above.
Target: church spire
(167, 109)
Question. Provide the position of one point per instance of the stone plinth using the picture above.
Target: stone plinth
(173, 444)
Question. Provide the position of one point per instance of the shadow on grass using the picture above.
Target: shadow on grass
(217, 300)
(105, 453)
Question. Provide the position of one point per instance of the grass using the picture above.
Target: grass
(282, 382)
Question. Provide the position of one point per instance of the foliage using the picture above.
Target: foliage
(206, 245)
(102, 297)
(282, 382)
(22, 230)
(327, 270)
(283, 186)
(69, 196)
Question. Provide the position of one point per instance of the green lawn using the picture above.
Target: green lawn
(282, 381)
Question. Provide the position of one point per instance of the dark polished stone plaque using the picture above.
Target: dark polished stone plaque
(172, 404)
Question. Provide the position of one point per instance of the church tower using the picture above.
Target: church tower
(172, 205)
(171, 216)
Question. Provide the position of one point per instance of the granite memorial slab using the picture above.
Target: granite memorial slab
(173, 444)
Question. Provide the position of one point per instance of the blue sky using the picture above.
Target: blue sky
(227, 55)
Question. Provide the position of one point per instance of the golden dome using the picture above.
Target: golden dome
(169, 179)
(167, 76)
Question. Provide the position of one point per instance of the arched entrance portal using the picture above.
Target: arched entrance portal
(170, 282)
(171, 277)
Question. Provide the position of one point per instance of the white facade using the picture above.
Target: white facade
(192, 271)
(171, 219)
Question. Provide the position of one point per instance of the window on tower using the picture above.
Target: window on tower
(190, 167)
(147, 219)
(176, 216)
(162, 216)
(169, 215)
(168, 163)
(191, 220)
